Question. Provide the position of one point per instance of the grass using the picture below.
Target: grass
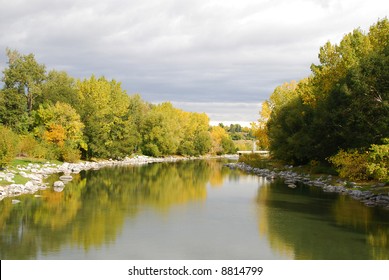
(23, 162)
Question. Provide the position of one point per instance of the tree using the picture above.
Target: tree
(61, 126)
(344, 104)
(196, 138)
(104, 108)
(260, 129)
(58, 87)
(137, 111)
(221, 141)
(13, 110)
(25, 75)
(162, 130)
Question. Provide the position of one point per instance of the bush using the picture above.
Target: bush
(228, 146)
(69, 154)
(187, 148)
(351, 164)
(317, 167)
(378, 166)
(8, 146)
(151, 150)
(27, 145)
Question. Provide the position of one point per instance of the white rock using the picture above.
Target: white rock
(58, 189)
(59, 184)
(29, 185)
(66, 178)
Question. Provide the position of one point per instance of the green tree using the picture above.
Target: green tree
(13, 110)
(58, 87)
(25, 75)
(196, 138)
(137, 111)
(162, 130)
(343, 105)
(60, 125)
(104, 109)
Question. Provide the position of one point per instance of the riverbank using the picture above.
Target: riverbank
(30, 178)
(326, 183)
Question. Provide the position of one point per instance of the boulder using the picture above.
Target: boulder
(59, 184)
(66, 178)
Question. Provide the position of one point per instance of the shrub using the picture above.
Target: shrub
(8, 146)
(151, 150)
(228, 146)
(317, 167)
(27, 145)
(187, 148)
(378, 165)
(69, 154)
(351, 164)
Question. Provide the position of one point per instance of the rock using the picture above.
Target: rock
(29, 184)
(385, 197)
(58, 189)
(370, 204)
(318, 184)
(76, 170)
(59, 184)
(66, 178)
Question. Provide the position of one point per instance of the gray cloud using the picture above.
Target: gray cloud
(184, 51)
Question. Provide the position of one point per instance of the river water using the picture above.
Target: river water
(189, 210)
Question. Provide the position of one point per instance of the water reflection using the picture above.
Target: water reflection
(210, 211)
(306, 223)
(92, 208)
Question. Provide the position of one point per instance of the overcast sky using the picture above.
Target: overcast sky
(220, 57)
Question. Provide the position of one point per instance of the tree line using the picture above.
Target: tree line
(51, 115)
(340, 113)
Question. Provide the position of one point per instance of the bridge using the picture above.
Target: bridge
(254, 151)
(263, 153)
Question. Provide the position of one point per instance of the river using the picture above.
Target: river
(196, 209)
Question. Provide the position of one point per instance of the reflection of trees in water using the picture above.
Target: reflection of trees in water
(92, 208)
(303, 223)
(373, 221)
(217, 174)
(276, 243)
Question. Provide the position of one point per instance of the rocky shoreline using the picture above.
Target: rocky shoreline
(291, 179)
(37, 173)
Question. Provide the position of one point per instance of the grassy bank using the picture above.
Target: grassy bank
(22, 162)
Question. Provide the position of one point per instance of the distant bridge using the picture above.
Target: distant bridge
(264, 153)
(254, 151)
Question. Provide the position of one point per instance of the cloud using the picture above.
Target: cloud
(186, 51)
